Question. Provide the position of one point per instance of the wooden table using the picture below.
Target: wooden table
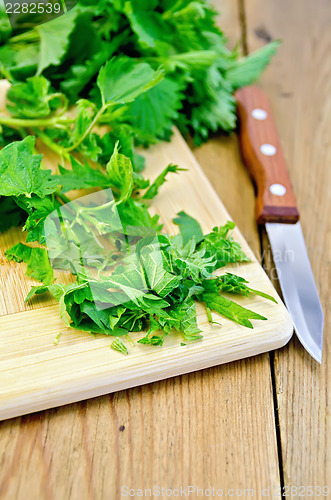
(257, 423)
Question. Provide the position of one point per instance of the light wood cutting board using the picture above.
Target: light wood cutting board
(36, 374)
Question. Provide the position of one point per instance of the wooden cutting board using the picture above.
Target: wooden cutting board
(36, 374)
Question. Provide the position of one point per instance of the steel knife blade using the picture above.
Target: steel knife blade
(276, 208)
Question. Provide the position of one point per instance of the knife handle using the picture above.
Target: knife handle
(263, 156)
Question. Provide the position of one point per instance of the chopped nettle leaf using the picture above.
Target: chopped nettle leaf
(153, 189)
(189, 227)
(186, 315)
(235, 284)
(38, 264)
(146, 280)
(19, 253)
(81, 176)
(223, 247)
(230, 309)
(118, 345)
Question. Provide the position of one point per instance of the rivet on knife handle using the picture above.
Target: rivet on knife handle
(263, 156)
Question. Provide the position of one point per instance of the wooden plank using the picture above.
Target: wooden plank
(212, 427)
(299, 86)
(229, 21)
(220, 156)
(203, 429)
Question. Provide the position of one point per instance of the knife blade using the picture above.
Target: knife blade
(276, 208)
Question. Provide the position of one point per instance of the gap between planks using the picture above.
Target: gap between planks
(245, 50)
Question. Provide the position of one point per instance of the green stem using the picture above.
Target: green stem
(30, 36)
(88, 130)
(64, 102)
(98, 208)
(5, 72)
(60, 150)
(209, 316)
(23, 133)
(28, 123)
(112, 115)
(64, 7)
(63, 198)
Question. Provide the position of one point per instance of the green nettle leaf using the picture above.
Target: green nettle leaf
(81, 176)
(232, 283)
(218, 112)
(38, 264)
(18, 64)
(159, 280)
(20, 172)
(37, 209)
(57, 290)
(187, 315)
(155, 111)
(122, 79)
(201, 74)
(133, 213)
(223, 247)
(32, 99)
(5, 28)
(120, 174)
(153, 189)
(149, 25)
(19, 253)
(54, 39)
(84, 117)
(248, 69)
(230, 309)
(189, 227)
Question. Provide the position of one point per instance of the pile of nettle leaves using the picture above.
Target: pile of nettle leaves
(129, 275)
(138, 68)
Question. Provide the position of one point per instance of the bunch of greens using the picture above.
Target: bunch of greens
(90, 85)
(199, 73)
(129, 276)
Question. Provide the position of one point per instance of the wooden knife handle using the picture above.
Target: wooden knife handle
(263, 156)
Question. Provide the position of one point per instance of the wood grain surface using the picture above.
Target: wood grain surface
(216, 427)
(298, 84)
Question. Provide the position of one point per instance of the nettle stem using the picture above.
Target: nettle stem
(99, 207)
(89, 129)
(59, 121)
(28, 123)
(88, 213)
(57, 148)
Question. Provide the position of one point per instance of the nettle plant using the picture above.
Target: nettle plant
(91, 85)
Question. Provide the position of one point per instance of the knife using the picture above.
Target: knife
(276, 208)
